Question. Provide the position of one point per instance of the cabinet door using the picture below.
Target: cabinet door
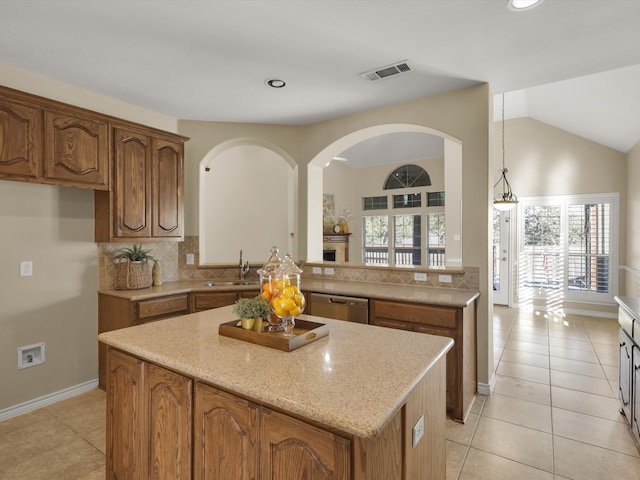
(125, 403)
(635, 408)
(292, 450)
(20, 138)
(168, 187)
(624, 372)
(224, 437)
(167, 421)
(132, 185)
(77, 150)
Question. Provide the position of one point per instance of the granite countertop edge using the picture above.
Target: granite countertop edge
(452, 297)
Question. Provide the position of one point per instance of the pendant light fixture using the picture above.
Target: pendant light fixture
(507, 200)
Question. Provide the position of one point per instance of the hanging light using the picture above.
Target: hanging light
(508, 199)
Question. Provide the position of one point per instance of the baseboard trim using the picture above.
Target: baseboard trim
(45, 400)
(487, 388)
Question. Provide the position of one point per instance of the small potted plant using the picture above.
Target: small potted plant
(251, 312)
(133, 268)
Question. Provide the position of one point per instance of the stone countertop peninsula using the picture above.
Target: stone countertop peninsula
(386, 291)
(354, 380)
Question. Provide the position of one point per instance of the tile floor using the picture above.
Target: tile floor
(553, 414)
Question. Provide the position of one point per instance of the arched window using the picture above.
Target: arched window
(407, 176)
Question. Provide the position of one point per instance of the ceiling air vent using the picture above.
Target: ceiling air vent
(388, 71)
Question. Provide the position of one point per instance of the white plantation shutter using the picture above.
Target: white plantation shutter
(567, 247)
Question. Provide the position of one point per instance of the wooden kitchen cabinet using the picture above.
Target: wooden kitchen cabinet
(43, 141)
(20, 138)
(118, 312)
(291, 449)
(454, 322)
(76, 149)
(147, 197)
(225, 435)
(149, 420)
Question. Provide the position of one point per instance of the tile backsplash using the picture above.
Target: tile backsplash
(172, 257)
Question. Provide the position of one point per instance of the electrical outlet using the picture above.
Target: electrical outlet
(26, 268)
(444, 278)
(317, 270)
(420, 277)
(30, 355)
(418, 431)
(190, 259)
(328, 271)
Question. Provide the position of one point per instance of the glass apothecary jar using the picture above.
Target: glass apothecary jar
(288, 301)
(268, 288)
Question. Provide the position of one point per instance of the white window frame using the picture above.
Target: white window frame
(564, 200)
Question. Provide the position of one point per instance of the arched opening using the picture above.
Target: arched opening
(247, 201)
(452, 154)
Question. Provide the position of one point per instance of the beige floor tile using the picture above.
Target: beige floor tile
(594, 431)
(31, 440)
(573, 354)
(456, 455)
(606, 338)
(582, 383)
(533, 359)
(587, 403)
(568, 333)
(576, 366)
(97, 438)
(570, 343)
(518, 388)
(519, 412)
(97, 474)
(520, 444)
(481, 465)
(70, 460)
(610, 359)
(578, 460)
(519, 336)
(525, 372)
(24, 420)
(462, 432)
(611, 372)
(478, 403)
(608, 348)
(527, 347)
(83, 413)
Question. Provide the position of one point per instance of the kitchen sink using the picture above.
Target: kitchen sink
(229, 282)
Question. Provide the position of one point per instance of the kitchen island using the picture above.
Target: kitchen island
(185, 402)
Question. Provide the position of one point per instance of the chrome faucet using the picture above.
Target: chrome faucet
(244, 269)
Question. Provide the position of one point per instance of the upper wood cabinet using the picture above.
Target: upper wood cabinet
(20, 138)
(76, 149)
(147, 197)
(43, 141)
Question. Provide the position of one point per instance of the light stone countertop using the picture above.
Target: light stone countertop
(354, 380)
(632, 304)
(388, 291)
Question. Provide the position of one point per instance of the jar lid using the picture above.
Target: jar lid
(288, 266)
(272, 264)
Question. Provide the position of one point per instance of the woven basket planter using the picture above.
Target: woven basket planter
(133, 275)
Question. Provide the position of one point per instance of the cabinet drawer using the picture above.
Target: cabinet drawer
(207, 301)
(422, 314)
(159, 307)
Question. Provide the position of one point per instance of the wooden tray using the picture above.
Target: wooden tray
(304, 333)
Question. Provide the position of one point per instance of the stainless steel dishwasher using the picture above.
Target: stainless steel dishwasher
(340, 307)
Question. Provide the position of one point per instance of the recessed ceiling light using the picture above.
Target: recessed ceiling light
(275, 82)
(519, 5)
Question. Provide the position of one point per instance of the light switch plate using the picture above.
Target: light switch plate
(420, 277)
(26, 268)
(317, 270)
(328, 271)
(444, 278)
(190, 259)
